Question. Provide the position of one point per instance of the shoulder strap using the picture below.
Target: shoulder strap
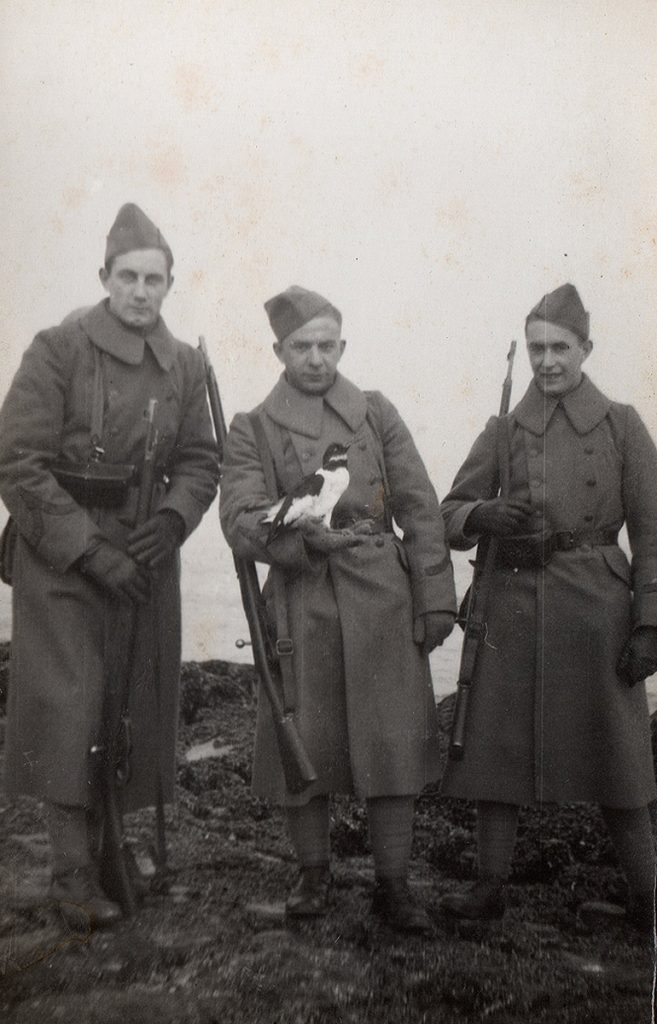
(97, 404)
(374, 421)
(266, 456)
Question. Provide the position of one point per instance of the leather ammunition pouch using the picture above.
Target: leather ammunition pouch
(533, 551)
(8, 551)
(94, 483)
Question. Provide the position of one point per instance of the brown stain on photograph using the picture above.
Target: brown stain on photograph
(192, 87)
(369, 68)
(167, 165)
(585, 187)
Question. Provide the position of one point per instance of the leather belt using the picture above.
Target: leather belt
(568, 540)
(532, 551)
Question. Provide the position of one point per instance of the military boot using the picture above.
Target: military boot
(641, 912)
(484, 901)
(140, 885)
(81, 901)
(310, 896)
(394, 903)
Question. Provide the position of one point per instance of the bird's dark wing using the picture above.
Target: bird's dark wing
(309, 487)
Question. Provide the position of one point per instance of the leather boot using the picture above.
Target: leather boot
(140, 884)
(641, 912)
(484, 901)
(81, 901)
(310, 896)
(394, 904)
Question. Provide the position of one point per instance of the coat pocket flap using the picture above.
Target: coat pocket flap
(618, 564)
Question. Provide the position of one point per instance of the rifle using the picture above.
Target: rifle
(111, 758)
(475, 624)
(297, 768)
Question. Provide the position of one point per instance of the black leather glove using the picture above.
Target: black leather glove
(327, 541)
(116, 572)
(500, 517)
(155, 541)
(639, 657)
(431, 629)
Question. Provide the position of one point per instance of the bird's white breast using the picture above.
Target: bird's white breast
(320, 506)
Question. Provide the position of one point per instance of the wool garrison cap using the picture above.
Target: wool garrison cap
(132, 230)
(564, 308)
(294, 307)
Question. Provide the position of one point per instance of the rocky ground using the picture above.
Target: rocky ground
(215, 948)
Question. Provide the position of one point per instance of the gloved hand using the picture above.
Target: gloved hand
(432, 628)
(326, 541)
(499, 517)
(117, 572)
(157, 539)
(639, 657)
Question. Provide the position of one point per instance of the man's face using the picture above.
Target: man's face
(311, 355)
(137, 285)
(556, 356)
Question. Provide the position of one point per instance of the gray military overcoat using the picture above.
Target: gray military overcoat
(365, 705)
(67, 633)
(549, 718)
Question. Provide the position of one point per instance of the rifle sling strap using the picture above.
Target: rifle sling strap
(374, 421)
(284, 646)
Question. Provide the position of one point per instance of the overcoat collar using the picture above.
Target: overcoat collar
(109, 334)
(302, 414)
(585, 407)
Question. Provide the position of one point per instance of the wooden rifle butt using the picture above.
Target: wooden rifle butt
(457, 736)
(115, 878)
(297, 766)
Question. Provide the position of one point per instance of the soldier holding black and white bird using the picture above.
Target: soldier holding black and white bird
(364, 607)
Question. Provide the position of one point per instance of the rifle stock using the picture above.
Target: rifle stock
(475, 625)
(297, 767)
(111, 759)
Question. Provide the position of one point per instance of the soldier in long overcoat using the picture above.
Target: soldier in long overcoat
(80, 569)
(558, 709)
(362, 618)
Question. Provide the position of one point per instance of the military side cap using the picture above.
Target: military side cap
(132, 230)
(564, 308)
(295, 307)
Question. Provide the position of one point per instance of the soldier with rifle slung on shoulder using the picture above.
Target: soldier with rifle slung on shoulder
(107, 464)
(312, 479)
(557, 711)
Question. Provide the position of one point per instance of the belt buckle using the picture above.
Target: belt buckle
(566, 540)
(284, 648)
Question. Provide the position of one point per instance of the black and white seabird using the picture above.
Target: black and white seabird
(315, 497)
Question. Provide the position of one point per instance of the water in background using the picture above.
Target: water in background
(213, 619)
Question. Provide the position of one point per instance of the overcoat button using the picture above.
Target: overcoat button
(591, 483)
(589, 451)
(363, 446)
(379, 542)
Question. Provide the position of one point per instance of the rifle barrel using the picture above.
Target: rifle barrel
(114, 752)
(297, 767)
(480, 589)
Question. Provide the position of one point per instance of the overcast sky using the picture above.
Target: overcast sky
(432, 166)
